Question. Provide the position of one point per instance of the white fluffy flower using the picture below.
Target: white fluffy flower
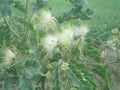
(50, 42)
(66, 37)
(47, 20)
(47, 16)
(83, 30)
(76, 32)
(9, 56)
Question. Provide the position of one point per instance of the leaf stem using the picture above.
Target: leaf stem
(27, 1)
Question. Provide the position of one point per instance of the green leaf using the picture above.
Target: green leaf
(76, 65)
(75, 80)
(93, 52)
(33, 71)
(39, 5)
(4, 36)
(31, 62)
(106, 87)
(25, 84)
(79, 2)
(75, 13)
(23, 22)
(7, 82)
(81, 78)
(56, 80)
(5, 7)
(79, 83)
(89, 12)
(19, 6)
(105, 75)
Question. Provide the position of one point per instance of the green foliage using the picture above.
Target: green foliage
(7, 82)
(39, 5)
(25, 83)
(56, 80)
(48, 52)
(76, 11)
(4, 35)
(81, 78)
(19, 6)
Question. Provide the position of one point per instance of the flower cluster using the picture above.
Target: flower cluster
(65, 38)
(47, 20)
(43, 19)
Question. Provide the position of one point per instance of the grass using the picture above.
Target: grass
(106, 13)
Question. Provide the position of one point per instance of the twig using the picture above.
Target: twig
(15, 64)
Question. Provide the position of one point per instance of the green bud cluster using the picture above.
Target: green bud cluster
(52, 65)
(115, 31)
(64, 66)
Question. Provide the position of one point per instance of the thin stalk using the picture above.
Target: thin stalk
(37, 37)
(117, 52)
(108, 81)
(15, 64)
(27, 1)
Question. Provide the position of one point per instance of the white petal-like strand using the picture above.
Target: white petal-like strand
(50, 42)
(83, 30)
(47, 20)
(66, 37)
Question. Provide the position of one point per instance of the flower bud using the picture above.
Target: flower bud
(115, 31)
(49, 66)
(103, 54)
(115, 40)
(55, 64)
(64, 66)
(48, 75)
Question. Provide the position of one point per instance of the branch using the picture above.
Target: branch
(104, 64)
(8, 27)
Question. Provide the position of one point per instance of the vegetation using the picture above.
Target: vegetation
(55, 45)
